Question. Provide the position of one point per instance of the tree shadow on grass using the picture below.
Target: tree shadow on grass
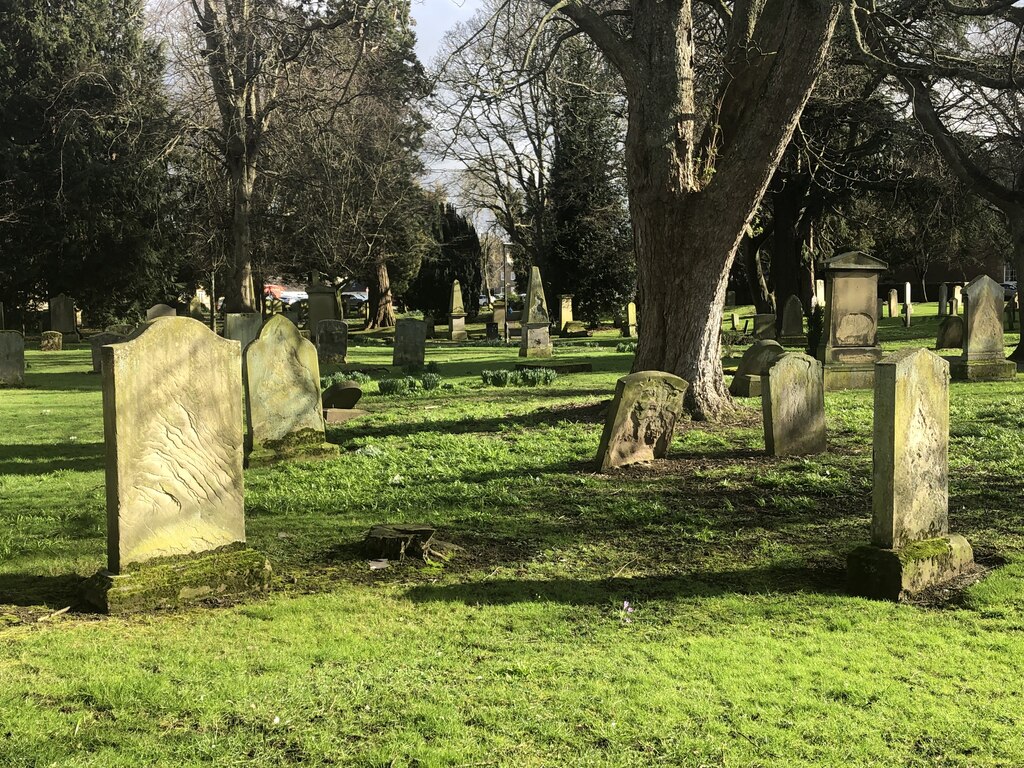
(34, 459)
(55, 592)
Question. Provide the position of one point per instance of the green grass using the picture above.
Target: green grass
(741, 648)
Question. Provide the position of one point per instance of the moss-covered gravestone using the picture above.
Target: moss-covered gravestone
(332, 341)
(410, 343)
(641, 419)
(51, 341)
(172, 421)
(97, 342)
(911, 548)
(984, 358)
(793, 405)
(536, 322)
(951, 333)
(160, 310)
(282, 396)
(12, 359)
(753, 365)
(793, 324)
(457, 314)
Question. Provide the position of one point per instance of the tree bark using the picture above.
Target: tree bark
(382, 308)
(1017, 233)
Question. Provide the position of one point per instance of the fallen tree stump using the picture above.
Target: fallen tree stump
(397, 542)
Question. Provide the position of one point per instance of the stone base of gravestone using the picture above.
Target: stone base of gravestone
(575, 330)
(983, 370)
(794, 342)
(303, 445)
(225, 574)
(342, 415)
(457, 328)
(398, 542)
(951, 333)
(900, 574)
(536, 341)
(51, 341)
(838, 376)
(641, 419)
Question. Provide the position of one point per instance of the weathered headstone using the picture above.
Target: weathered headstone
(756, 361)
(629, 326)
(911, 548)
(943, 300)
(430, 322)
(641, 419)
(984, 356)
(160, 310)
(322, 304)
(1012, 311)
(793, 405)
(172, 414)
(51, 341)
(564, 311)
(793, 323)
(332, 341)
(243, 327)
(908, 311)
(536, 336)
(849, 344)
(730, 299)
(410, 343)
(951, 333)
(500, 316)
(12, 359)
(894, 302)
(735, 321)
(96, 344)
(764, 326)
(282, 395)
(457, 314)
(63, 318)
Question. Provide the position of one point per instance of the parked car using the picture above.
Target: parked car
(1009, 290)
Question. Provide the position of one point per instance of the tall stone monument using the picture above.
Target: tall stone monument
(332, 341)
(12, 359)
(641, 419)
(172, 418)
(911, 548)
(410, 343)
(282, 395)
(849, 345)
(457, 314)
(63, 318)
(793, 323)
(984, 355)
(793, 405)
(322, 304)
(536, 336)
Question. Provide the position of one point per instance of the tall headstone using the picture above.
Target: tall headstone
(51, 341)
(793, 323)
(63, 318)
(457, 314)
(568, 327)
(284, 412)
(983, 358)
(641, 419)
(322, 304)
(500, 316)
(943, 300)
(819, 292)
(160, 310)
(911, 548)
(12, 359)
(754, 364)
(894, 302)
(849, 345)
(951, 333)
(793, 405)
(908, 311)
(629, 326)
(243, 327)
(172, 417)
(908, 296)
(97, 342)
(536, 336)
(332, 341)
(410, 343)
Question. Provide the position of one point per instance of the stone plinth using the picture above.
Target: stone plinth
(641, 419)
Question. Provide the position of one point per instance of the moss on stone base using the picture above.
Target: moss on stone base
(839, 376)
(173, 582)
(304, 445)
(887, 574)
(983, 370)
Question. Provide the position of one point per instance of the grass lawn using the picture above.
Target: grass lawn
(740, 648)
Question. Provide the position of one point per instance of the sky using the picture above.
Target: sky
(434, 18)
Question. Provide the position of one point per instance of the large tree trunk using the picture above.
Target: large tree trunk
(382, 308)
(239, 293)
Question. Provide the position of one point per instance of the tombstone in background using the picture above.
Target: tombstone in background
(97, 342)
(958, 294)
(735, 320)
(943, 300)
(51, 341)
(63, 318)
(1012, 311)
(491, 330)
(764, 326)
(172, 417)
(535, 340)
(911, 548)
(12, 359)
(894, 302)
(500, 316)
(160, 310)
(243, 327)
(908, 310)
(332, 341)
(283, 410)
(951, 333)
(322, 304)
(629, 327)
(984, 357)
(849, 345)
(456, 315)
(793, 405)
(641, 419)
(410, 343)
(730, 299)
(819, 292)
(430, 322)
(756, 361)
(881, 308)
(793, 323)
(568, 327)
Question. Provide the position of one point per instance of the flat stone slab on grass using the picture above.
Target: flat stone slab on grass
(641, 419)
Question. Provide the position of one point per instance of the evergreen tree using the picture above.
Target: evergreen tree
(457, 255)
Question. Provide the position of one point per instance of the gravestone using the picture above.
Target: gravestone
(764, 326)
(911, 548)
(12, 359)
(564, 312)
(243, 327)
(3, 318)
(322, 304)
(172, 417)
(410, 343)
(1012, 311)
(96, 344)
(641, 419)
(51, 341)
(849, 345)
(535, 340)
(342, 394)
(730, 299)
(984, 357)
(63, 318)
(456, 315)
(894, 302)
(734, 319)
(284, 412)
(629, 326)
(954, 306)
(943, 300)
(491, 330)
(160, 310)
(908, 310)
(793, 405)
(500, 316)
(756, 361)
(819, 292)
(430, 323)
(793, 323)
(951, 333)
(332, 341)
